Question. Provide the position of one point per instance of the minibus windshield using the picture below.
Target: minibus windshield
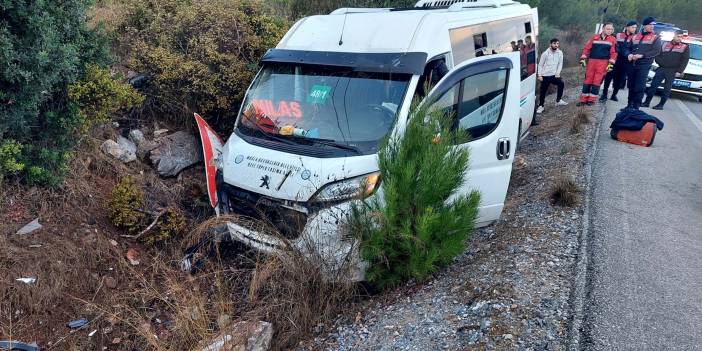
(322, 106)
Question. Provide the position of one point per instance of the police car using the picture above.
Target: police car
(691, 81)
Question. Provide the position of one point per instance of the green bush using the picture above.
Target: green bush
(124, 206)
(199, 56)
(10, 151)
(412, 229)
(99, 95)
(170, 225)
(44, 47)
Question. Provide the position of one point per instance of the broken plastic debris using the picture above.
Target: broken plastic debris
(18, 345)
(78, 323)
(30, 227)
(27, 280)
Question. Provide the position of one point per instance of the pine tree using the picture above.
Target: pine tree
(411, 228)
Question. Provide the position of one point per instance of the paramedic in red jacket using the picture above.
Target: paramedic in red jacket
(600, 54)
(622, 66)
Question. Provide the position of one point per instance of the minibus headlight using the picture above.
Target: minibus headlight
(358, 187)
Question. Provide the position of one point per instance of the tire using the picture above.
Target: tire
(699, 99)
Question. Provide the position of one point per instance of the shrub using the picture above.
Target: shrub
(124, 206)
(9, 153)
(98, 96)
(170, 225)
(413, 229)
(565, 192)
(198, 55)
(294, 9)
(44, 47)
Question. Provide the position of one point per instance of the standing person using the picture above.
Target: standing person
(530, 53)
(671, 64)
(549, 72)
(622, 66)
(598, 57)
(642, 49)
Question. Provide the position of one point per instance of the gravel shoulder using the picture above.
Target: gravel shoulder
(512, 287)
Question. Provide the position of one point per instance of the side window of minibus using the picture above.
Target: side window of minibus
(475, 104)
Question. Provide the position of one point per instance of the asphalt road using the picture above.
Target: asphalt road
(644, 278)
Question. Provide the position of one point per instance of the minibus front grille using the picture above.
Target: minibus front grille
(692, 77)
(287, 222)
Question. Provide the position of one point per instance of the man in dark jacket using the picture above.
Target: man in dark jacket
(642, 49)
(671, 64)
(622, 66)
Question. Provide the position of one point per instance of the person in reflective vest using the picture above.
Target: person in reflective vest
(599, 56)
(622, 66)
(671, 64)
(642, 50)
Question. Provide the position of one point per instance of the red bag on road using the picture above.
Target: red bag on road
(643, 137)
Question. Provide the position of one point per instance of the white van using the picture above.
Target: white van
(312, 121)
(691, 81)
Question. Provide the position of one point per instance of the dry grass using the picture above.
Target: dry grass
(580, 119)
(565, 192)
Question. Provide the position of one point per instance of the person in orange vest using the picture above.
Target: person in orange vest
(599, 56)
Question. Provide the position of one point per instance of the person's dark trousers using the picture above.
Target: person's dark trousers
(637, 85)
(607, 81)
(666, 75)
(548, 80)
(620, 74)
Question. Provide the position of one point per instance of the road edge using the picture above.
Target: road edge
(579, 290)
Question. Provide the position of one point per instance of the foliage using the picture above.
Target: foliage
(295, 9)
(582, 15)
(198, 55)
(44, 47)
(9, 153)
(170, 225)
(124, 205)
(99, 95)
(413, 228)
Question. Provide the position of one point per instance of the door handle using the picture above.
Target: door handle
(503, 148)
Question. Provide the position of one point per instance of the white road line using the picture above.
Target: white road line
(691, 115)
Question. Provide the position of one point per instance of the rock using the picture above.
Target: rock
(30, 227)
(136, 136)
(112, 148)
(244, 336)
(127, 144)
(160, 132)
(175, 153)
(143, 145)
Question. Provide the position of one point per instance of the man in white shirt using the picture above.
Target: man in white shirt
(549, 72)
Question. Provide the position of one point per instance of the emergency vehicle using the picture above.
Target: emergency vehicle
(691, 81)
(306, 140)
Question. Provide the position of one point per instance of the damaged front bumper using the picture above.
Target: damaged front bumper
(273, 225)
